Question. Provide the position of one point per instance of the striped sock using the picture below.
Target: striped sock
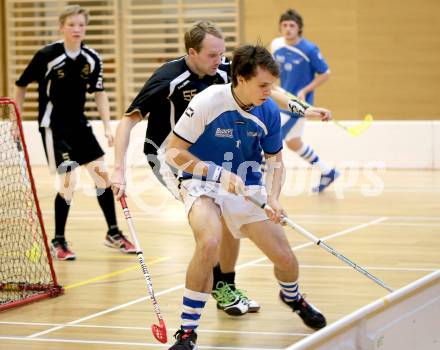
(193, 304)
(289, 290)
(307, 153)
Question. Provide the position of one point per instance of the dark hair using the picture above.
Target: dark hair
(195, 35)
(247, 58)
(292, 15)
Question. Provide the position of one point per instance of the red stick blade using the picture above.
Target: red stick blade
(160, 332)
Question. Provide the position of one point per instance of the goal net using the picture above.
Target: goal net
(26, 269)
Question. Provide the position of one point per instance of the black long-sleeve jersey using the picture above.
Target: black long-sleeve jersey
(62, 84)
(165, 96)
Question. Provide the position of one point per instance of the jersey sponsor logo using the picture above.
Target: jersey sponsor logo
(189, 94)
(224, 133)
(185, 83)
(189, 112)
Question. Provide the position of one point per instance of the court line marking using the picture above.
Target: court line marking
(112, 274)
(325, 238)
(121, 306)
(293, 334)
(92, 215)
(107, 342)
(103, 312)
(378, 268)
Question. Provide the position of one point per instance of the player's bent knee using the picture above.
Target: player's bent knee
(67, 195)
(294, 144)
(285, 261)
(209, 248)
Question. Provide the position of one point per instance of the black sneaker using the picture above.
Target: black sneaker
(310, 315)
(185, 340)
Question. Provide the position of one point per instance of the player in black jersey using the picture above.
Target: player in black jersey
(163, 99)
(65, 70)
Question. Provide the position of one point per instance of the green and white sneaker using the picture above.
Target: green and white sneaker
(253, 306)
(228, 300)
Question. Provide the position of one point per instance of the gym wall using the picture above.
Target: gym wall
(383, 55)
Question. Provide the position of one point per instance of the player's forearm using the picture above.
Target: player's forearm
(103, 106)
(185, 161)
(122, 139)
(275, 175)
(283, 96)
(179, 157)
(318, 81)
(292, 102)
(20, 94)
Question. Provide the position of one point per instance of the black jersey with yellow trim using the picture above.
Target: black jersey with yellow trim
(62, 84)
(165, 96)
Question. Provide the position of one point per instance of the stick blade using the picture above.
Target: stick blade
(160, 331)
(361, 128)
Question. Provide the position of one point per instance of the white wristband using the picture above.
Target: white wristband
(214, 172)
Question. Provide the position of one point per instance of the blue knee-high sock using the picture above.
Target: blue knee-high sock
(307, 153)
(289, 290)
(193, 304)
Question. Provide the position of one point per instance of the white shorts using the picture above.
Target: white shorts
(296, 131)
(236, 210)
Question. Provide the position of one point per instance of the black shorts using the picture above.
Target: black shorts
(77, 147)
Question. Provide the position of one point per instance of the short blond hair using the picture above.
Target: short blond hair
(71, 11)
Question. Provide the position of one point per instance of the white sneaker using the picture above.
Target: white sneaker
(228, 300)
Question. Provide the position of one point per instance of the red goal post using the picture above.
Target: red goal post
(26, 269)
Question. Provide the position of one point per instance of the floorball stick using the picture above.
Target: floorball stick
(159, 331)
(322, 244)
(354, 130)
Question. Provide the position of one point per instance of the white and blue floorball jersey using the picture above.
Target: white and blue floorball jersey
(298, 64)
(221, 132)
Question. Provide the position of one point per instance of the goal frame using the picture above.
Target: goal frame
(54, 289)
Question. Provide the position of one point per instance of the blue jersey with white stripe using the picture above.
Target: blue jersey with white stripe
(298, 64)
(222, 133)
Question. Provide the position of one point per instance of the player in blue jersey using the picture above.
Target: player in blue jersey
(217, 146)
(302, 70)
(162, 100)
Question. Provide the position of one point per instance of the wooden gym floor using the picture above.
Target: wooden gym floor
(386, 221)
